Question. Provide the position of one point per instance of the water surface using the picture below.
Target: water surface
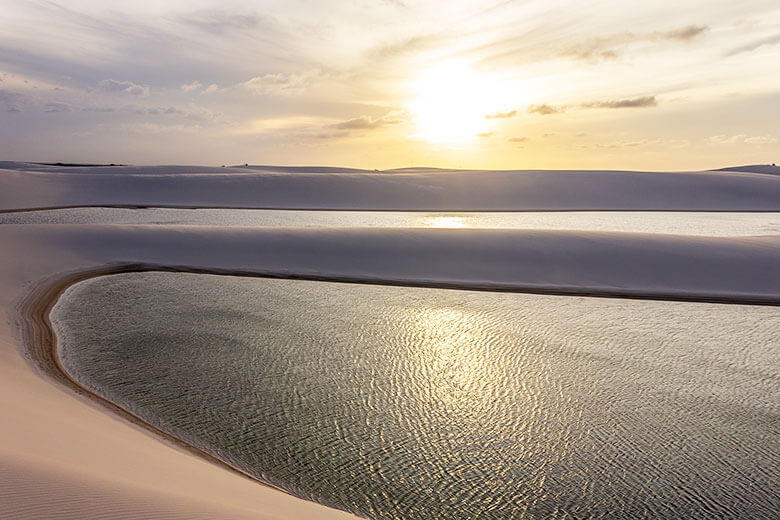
(414, 403)
(682, 223)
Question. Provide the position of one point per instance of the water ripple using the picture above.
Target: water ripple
(423, 403)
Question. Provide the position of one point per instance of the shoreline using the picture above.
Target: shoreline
(39, 341)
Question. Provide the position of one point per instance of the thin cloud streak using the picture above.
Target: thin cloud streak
(754, 45)
(638, 102)
(502, 115)
(545, 109)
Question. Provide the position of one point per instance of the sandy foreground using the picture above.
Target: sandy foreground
(65, 456)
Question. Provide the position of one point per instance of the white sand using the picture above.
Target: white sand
(64, 457)
(421, 189)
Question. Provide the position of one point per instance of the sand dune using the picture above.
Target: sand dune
(608, 263)
(32, 186)
(38, 489)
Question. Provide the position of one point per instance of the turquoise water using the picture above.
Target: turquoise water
(395, 402)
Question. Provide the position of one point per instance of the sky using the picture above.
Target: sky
(662, 85)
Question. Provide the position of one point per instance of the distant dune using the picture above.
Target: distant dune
(26, 186)
(754, 168)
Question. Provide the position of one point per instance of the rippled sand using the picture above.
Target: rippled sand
(423, 403)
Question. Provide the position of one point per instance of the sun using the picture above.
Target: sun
(450, 104)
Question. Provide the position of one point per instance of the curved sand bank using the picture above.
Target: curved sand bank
(29, 186)
(41, 342)
(48, 436)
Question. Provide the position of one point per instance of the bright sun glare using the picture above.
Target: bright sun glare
(451, 103)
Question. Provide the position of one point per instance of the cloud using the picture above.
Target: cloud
(221, 22)
(518, 139)
(189, 87)
(599, 49)
(164, 111)
(197, 86)
(666, 144)
(406, 46)
(365, 123)
(212, 89)
(682, 34)
(638, 102)
(331, 135)
(761, 139)
(153, 128)
(485, 134)
(276, 84)
(13, 101)
(125, 87)
(770, 40)
(97, 109)
(545, 109)
(610, 47)
(192, 112)
(740, 138)
(502, 115)
(57, 107)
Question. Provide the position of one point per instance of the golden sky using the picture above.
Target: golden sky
(385, 84)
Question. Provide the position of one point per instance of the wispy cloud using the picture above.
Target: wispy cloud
(366, 123)
(124, 87)
(485, 134)
(682, 34)
(190, 87)
(55, 107)
(610, 47)
(279, 84)
(13, 101)
(545, 109)
(168, 111)
(519, 139)
(657, 142)
(219, 21)
(755, 44)
(200, 88)
(331, 135)
(213, 89)
(638, 102)
(724, 139)
(502, 115)
(402, 47)
(153, 128)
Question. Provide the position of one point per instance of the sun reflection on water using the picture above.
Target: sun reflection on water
(446, 221)
(453, 352)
